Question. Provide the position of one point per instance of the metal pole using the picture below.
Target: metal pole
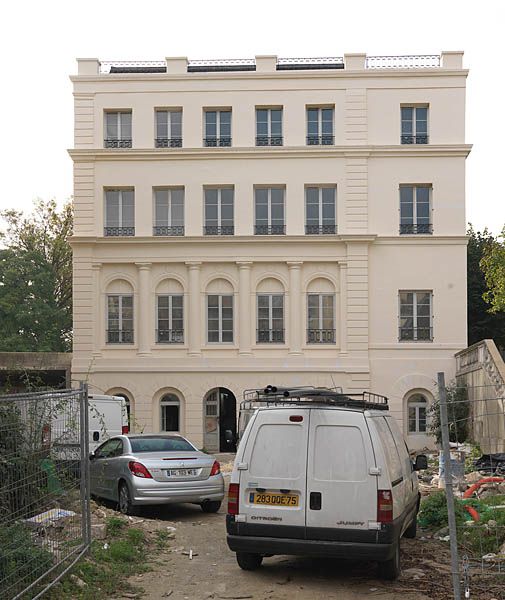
(85, 483)
(453, 536)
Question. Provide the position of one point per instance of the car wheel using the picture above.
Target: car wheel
(211, 506)
(249, 561)
(125, 504)
(390, 569)
(411, 530)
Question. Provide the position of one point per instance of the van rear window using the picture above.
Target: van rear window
(390, 450)
(339, 454)
(278, 451)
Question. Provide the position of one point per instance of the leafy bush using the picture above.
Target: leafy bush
(458, 412)
(433, 511)
(114, 525)
(21, 559)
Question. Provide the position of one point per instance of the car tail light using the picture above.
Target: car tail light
(139, 470)
(384, 506)
(125, 429)
(216, 469)
(233, 495)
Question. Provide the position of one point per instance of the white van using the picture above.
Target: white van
(321, 473)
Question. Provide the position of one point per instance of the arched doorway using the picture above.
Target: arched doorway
(220, 421)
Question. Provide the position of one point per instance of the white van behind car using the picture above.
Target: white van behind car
(321, 473)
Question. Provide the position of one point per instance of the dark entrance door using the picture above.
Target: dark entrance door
(227, 421)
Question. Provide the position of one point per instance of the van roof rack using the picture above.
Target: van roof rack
(272, 394)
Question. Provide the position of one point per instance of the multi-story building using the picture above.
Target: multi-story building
(268, 221)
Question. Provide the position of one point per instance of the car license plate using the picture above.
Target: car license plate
(181, 472)
(273, 499)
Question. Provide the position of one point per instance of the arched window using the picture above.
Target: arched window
(170, 411)
(417, 406)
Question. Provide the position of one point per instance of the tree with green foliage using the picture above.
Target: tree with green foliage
(458, 413)
(36, 279)
(482, 323)
(493, 265)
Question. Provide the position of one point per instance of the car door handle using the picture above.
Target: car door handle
(315, 501)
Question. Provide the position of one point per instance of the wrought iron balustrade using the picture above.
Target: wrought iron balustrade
(320, 336)
(407, 61)
(218, 230)
(171, 142)
(421, 138)
(320, 229)
(120, 336)
(265, 140)
(117, 143)
(217, 142)
(320, 140)
(269, 229)
(416, 228)
(119, 231)
(171, 230)
(270, 336)
(415, 334)
(170, 336)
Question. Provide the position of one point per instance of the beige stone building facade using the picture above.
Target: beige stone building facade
(268, 221)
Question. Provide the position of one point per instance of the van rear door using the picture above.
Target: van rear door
(273, 472)
(341, 489)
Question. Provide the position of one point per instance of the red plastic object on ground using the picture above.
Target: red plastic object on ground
(469, 493)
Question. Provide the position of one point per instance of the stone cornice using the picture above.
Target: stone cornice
(364, 151)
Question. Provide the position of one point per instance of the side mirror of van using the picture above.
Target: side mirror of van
(228, 436)
(92, 456)
(421, 462)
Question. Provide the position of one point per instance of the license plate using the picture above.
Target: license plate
(273, 499)
(181, 472)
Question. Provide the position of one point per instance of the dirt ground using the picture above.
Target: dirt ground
(213, 573)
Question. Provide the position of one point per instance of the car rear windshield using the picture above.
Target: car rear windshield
(161, 444)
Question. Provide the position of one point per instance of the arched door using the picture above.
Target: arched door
(220, 421)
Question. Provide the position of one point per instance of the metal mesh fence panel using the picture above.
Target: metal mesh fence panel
(44, 489)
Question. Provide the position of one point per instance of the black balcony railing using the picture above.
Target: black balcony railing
(270, 230)
(320, 229)
(320, 140)
(120, 336)
(170, 336)
(270, 336)
(168, 230)
(415, 334)
(217, 230)
(173, 142)
(118, 231)
(217, 142)
(265, 140)
(117, 143)
(414, 139)
(320, 336)
(416, 228)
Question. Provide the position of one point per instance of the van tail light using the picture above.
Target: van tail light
(216, 469)
(139, 470)
(384, 506)
(233, 495)
(125, 429)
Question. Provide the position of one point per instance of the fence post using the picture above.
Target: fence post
(85, 477)
(453, 536)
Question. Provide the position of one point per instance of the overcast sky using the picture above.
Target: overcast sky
(40, 40)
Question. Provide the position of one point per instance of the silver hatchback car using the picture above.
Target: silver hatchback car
(144, 469)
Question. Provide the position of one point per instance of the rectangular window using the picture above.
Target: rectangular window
(219, 318)
(416, 316)
(320, 210)
(118, 129)
(119, 319)
(269, 211)
(415, 209)
(414, 124)
(218, 211)
(270, 319)
(168, 211)
(320, 319)
(269, 127)
(168, 129)
(119, 212)
(170, 319)
(217, 128)
(320, 127)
